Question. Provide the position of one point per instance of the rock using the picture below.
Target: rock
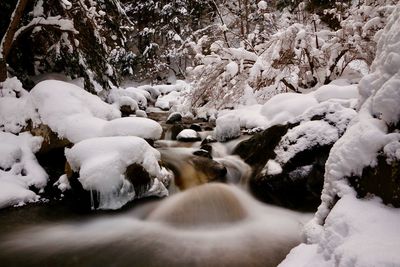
(203, 153)
(51, 141)
(382, 180)
(126, 111)
(174, 117)
(188, 135)
(196, 127)
(298, 185)
(173, 131)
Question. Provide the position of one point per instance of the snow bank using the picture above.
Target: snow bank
(358, 232)
(167, 101)
(19, 169)
(77, 115)
(102, 162)
(331, 91)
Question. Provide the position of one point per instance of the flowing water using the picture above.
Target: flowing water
(213, 224)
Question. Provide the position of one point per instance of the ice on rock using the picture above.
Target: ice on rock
(227, 127)
(19, 169)
(102, 162)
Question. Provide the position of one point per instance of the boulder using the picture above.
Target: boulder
(174, 118)
(188, 135)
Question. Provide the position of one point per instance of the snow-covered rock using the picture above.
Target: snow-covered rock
(133, 126)
(188, 135)
(19, 169)
(15, 106)
(76, 115)
(102, 164)
(228, 127)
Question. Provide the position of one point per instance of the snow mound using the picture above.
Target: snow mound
(331, 91)
(133, 126)
(77, 115)
(227, 127)
(285, 107)
(15, 106)
(102, 163)
(70, 111)
(356, 233)
(19, 169)
(167, 101)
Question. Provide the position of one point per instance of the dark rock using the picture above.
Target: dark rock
(208, 139)
(207, 148)
(174, 118)
(203, 153)
(300, 183)
(257, 150)
(382, 180)
(139, 178)
(173, 132)
(196, 127)
(126, 111)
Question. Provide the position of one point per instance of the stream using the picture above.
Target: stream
(200, 224)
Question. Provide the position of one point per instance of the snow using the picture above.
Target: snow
(187, 134)
(285, 107)
(272, 168)
(227, 127)
(77, 115)
(232, 68)
(330, 91)
(304, 136)
(167, 101)
(359, 233)
(15, 106)
(133, 126)
(102, 162)
(19, 169)
(351, 231)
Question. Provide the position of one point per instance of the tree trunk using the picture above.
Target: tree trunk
(7, 41)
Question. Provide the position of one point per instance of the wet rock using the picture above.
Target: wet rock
(382, 180)
(174, 118)
(257, 150)
(299, 181)
(203, 153)
(173, 131)
(196, 127)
